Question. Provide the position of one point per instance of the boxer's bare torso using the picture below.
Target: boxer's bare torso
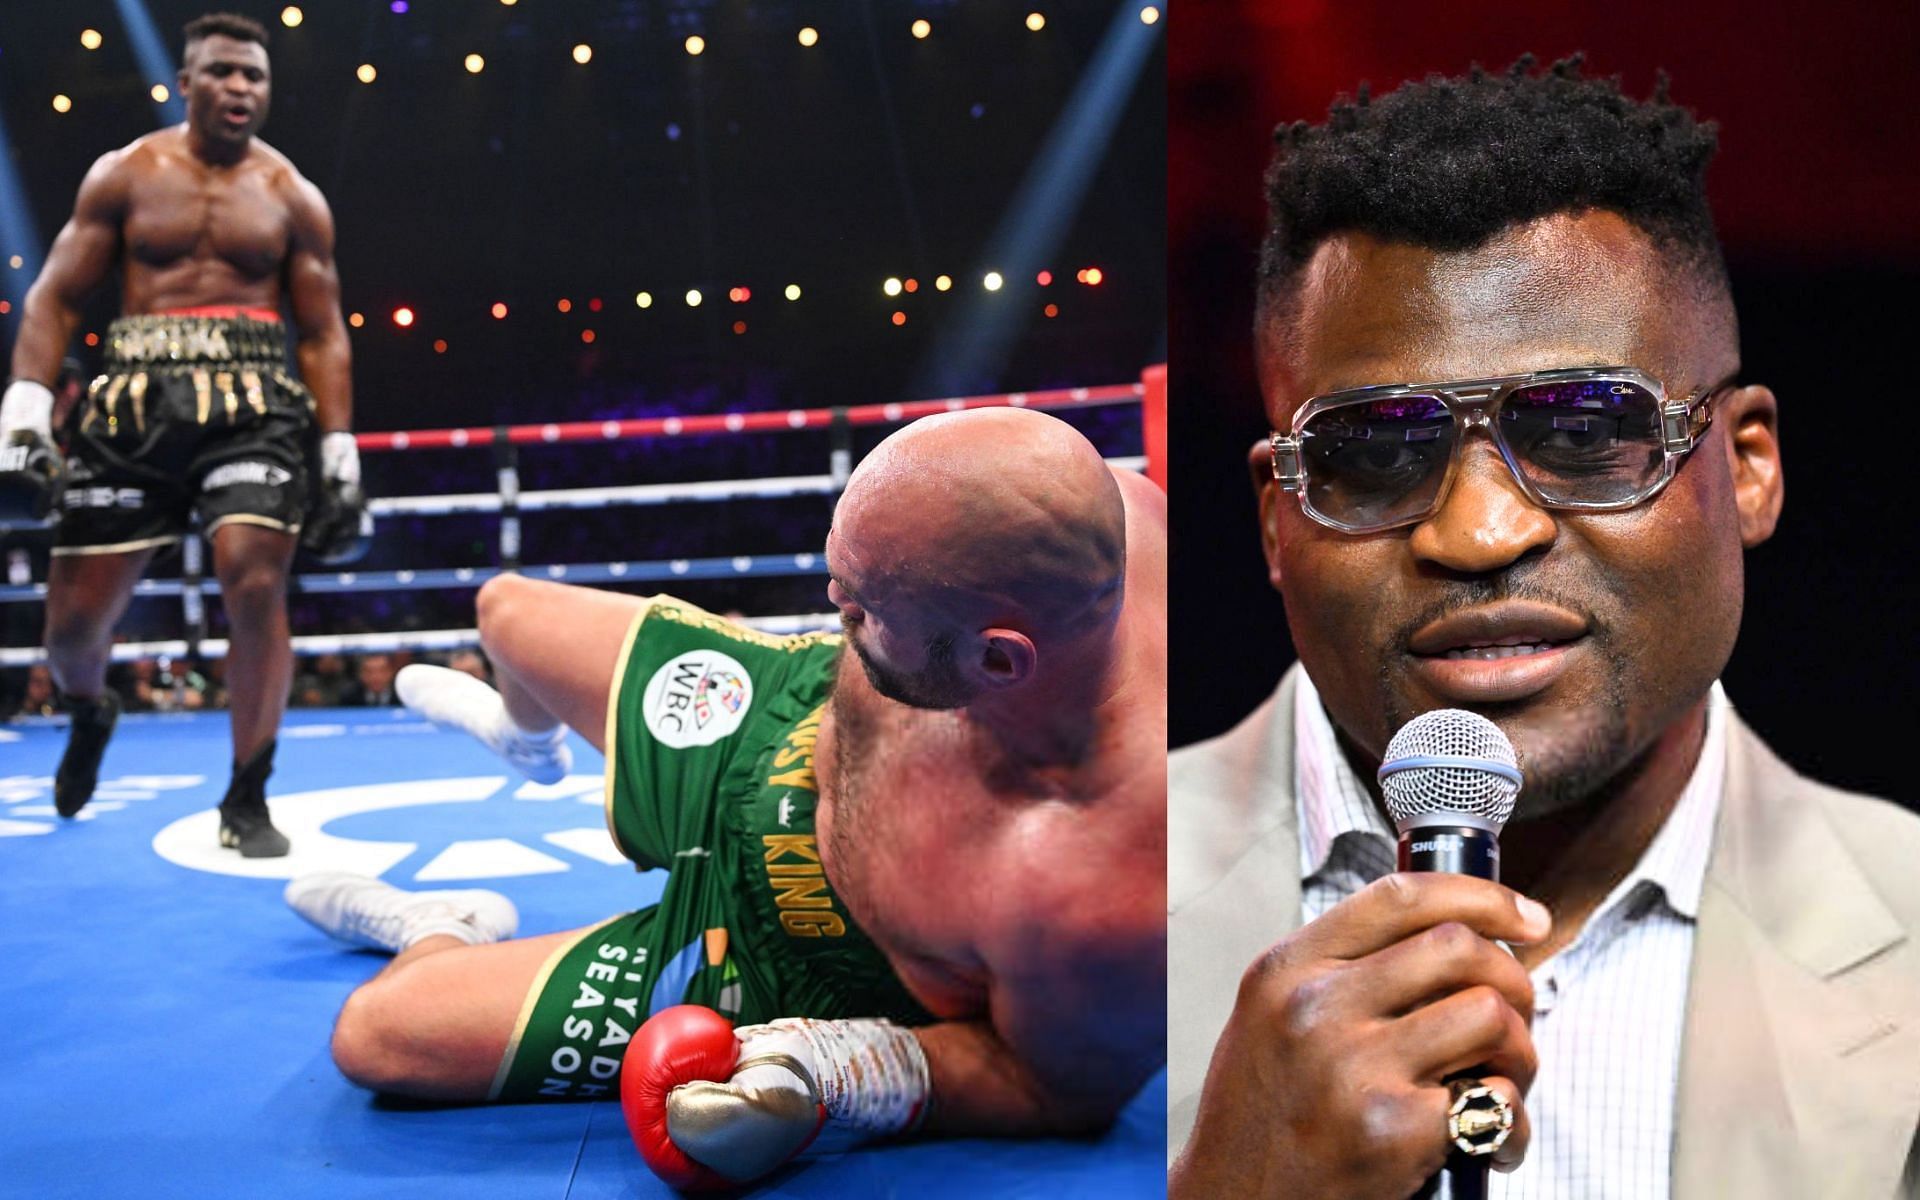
(1011, 892)
(196, 234)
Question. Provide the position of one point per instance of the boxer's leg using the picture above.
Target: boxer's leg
(554, 648)
(86, 596)
(438, 1020)
(251, 562)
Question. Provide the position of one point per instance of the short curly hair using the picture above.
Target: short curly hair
(225, 24)
(1447, 163)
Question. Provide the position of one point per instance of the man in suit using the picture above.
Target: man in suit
(1514, 470)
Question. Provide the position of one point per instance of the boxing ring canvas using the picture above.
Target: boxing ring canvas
(167, 1017)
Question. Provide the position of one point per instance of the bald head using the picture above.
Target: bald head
(1007, 511)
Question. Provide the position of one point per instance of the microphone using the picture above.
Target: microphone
(1450, 779)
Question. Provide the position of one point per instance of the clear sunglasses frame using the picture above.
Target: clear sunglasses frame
(1475, 403)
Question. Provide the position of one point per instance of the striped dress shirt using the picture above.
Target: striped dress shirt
(1608, 1008)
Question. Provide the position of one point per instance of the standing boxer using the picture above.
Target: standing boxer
(210, 230)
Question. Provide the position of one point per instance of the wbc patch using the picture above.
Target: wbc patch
(697, 698)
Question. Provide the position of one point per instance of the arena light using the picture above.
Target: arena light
(159, 93)
(1036, 21)
(1043, 278)
(643, 299)
(16, 262)
(912, 285)
(398, 6)
(365, 73)
(1149, 15)
(153, 57)
(439, 345)
(356, 319)
(993, 281)
(899, 318)
(291, 16)
(739, 327)
(809, 36)
(93, 339)
(475, 64)
(1053, 310)
(793, 291)
(921, 28)
(696, 44)
(587, 336)
(583, 54)
(594, 305)
(979, 341)
(499, 311)
(6, 306)
(565, 305)
(17, 226)
(61, 103)
(693, 297)
(891, 287)
(91, 39)
(403, 317)
(1091, 277)
(943, 283)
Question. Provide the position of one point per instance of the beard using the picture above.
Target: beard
(936, 685)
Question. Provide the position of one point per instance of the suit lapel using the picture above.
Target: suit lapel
(1797, 1077)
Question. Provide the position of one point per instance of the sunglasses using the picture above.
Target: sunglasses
(1589, 439)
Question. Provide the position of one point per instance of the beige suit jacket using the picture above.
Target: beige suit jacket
(1800, 1063)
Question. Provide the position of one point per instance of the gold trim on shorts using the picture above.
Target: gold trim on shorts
(533, 997)
(610, 747)
(251, 519)
(116, 547)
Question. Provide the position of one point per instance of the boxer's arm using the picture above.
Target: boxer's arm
(1073, 1037)
(80, 260)
(313, 293)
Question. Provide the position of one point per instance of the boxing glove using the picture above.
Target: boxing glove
(339, 527)
(713, 1107)
(30, 463)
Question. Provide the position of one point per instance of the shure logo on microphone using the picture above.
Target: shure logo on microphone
(1446, 841)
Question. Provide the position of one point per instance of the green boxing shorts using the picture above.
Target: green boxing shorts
(710, 734)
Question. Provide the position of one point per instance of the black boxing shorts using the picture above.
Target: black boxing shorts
(194, 414)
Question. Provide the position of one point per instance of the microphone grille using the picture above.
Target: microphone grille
(1450, 761)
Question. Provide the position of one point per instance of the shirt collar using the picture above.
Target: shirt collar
(1333, 803)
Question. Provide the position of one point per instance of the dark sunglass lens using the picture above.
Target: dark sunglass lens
(1592, 441)
(1379, 462)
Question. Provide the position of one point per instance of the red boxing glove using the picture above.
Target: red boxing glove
(701, 1118)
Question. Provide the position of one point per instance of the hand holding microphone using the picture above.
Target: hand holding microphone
(1332, 1075)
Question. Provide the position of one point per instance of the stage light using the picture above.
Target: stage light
(499, 311)
(1053, 310)
(509, 3)
(398, 6)
(90, 38)
(594, 305)
(291, 16)
(809, 35)
(1043, 278)
(586, 336)
(403, 317)
(93, 339)
(693, 297)
(793, 291)
(922, 28)
(891, 287)
(475, 64)
(439, 345)
(943, 282)
(356, 320)
(739, 326)
(61, 104)
(565, 305)
(365, 73)
(6, 306)
(1091, 277)
(1149, 15)
(583, 54)
(696, 44)
(159, 93)
(993, 281)
(912, 285)
(899, 318)
(643, 299)
(1036, 21)
(16, 262)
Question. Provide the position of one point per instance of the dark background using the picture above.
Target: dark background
(757, 164)
(1817, 193)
